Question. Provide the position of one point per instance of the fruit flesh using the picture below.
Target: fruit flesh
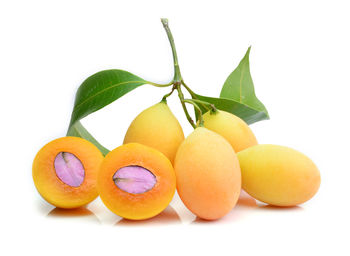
(48, 183)
(158, 128)
(232, 128)
(136, 206)
(278, 175)
(207, 174)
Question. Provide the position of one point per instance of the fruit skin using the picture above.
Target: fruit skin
(158, 128)
(137, 206)
(208, 175)
(51, 188)
(278, 175)
(232, 128)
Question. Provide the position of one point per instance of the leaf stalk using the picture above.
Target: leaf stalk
(159, 85)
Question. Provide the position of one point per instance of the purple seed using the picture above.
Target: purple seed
(69, 169)
(134, 179)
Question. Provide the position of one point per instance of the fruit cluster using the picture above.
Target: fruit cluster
(208, 169)
(138, 179)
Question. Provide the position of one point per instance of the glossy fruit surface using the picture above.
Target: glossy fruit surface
(65, 172)
(232, 128)
(208, 174)
(158, 128)
(136, 181)
(278, 175)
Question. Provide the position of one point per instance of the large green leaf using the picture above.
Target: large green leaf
(96, 92)
(248, 114)
(239, 87)
(101, 89)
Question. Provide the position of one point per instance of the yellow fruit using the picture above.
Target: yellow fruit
(232, 128)
(278, 175)
(208, 175)
(158, 128)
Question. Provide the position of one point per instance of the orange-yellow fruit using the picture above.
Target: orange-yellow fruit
(232, 128)
(278, 175)
(136, 182)
(158, 128)
(65, 172)
(208, 175)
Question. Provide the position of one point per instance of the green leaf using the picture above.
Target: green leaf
(248, 114)
(96, 92)
(78, 130)
(101, 89)
(239, 87)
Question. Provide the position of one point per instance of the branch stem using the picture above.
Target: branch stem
(200, 113)
(206, 105)
(177, 74)
(182, 100)
(203, 103)
(193, 95)
(168, 94)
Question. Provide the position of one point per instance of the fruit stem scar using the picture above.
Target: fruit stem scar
(213, 109)
(134, 179)
(69, 169)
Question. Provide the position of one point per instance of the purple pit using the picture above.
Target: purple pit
(134, 179)
(69, 169)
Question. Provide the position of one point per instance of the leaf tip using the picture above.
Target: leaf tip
(248, 51)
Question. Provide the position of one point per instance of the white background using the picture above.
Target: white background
(300, 66)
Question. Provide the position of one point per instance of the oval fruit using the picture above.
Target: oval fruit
(65, 172)
(278, 175)
(232, 128)
(208, 175)
(136, 182)
(158, 128)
